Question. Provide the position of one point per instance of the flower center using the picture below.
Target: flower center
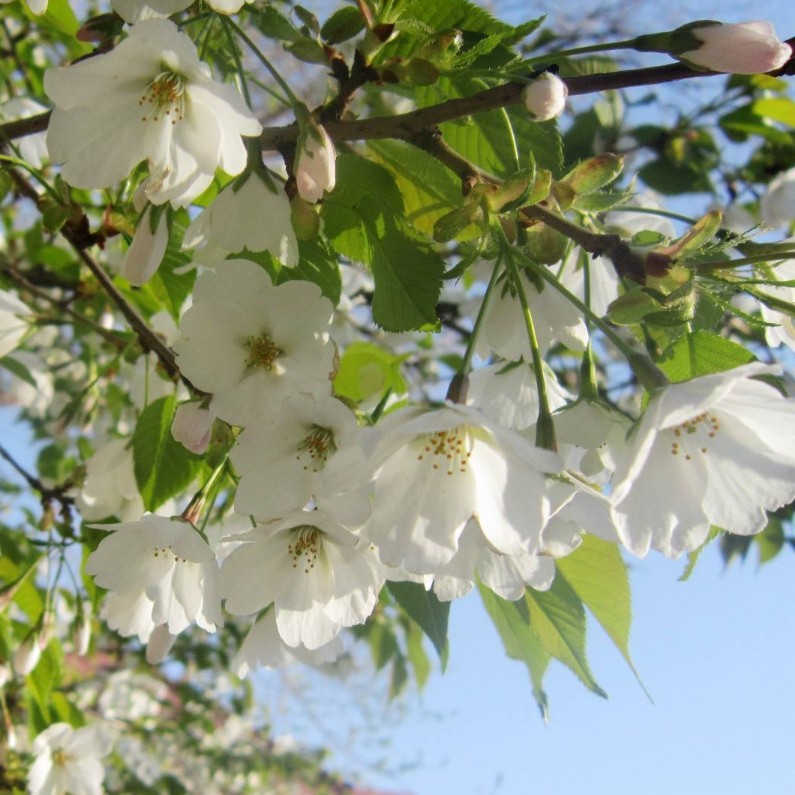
(164, 552)
(304, 547)
(692, 436)
(448, 450)
(262, 351)
(166, 95)
(60, 758)
(317, 446)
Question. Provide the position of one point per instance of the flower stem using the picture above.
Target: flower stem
(258, 54)
(545, 427)
(588, 388)
(238, 63)
(647, 373)
(585, 50)
(195, 508)
(466, 365)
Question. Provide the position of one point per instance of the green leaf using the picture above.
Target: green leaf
(702, 353)
(694, 556)
(781, 109)
(408, 279)
(343, 24)
(427, 611)
(415, 652)
(9, 591)
(44, 677)
(673, 177)
(598, 575)
(317, 263)
(558, 618)
(170, 288)
(512, 621)
(771, 540)
(364, 220)
(429, 189)
(365, 370)
(274, 24)
(66, 711)
(59, 15)
(163, 467)
(424, 17)
(18, 369)
(499, 141)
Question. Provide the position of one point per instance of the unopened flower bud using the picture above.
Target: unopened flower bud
(545, 97)
(744, 48)
(192, 426)
(147, 248)
(82, 635)
(27, 656)
(315, 168)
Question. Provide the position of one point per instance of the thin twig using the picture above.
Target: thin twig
(17, 278)
(47, 494)
(75, 235)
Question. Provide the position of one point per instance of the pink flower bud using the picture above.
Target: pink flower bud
(545, 97)
(192, 426)
(315, 166)
(745, 48)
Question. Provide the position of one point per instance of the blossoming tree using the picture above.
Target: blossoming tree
(323, 318)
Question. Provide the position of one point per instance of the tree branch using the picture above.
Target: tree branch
(75, 235)
(406, 125)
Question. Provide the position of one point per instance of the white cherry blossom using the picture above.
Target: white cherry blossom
(716, 450)
(777, 205)
(32, 148)
(784, 332)
(159, 104)
(318, 576)
(247, 214)
(253, 344)
(147, 249)
(741, 48)
(554, 319)
(506, 575)
(110, 488)
(263, 646)
(192, 426)
(14, 319)
(280, 463)
(507, 391)
(69, 760)
(436, 469)
(162, 576)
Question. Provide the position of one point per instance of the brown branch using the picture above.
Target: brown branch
(75, 234)
(406, 125)
(628, 263)
(19, 279)
(58, 493)
(20, 128)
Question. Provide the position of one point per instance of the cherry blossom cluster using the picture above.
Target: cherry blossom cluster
(325, 499)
